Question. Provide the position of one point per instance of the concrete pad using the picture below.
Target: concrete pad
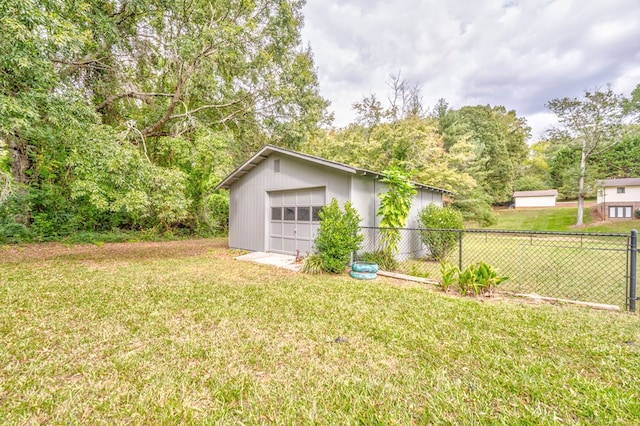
(275, 259)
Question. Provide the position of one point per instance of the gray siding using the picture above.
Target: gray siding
(363, 198)
(249, 196)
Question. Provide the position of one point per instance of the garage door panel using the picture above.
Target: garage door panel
(317, 197)
(289, 198)
(304, 246)
(304, 198)
(304, 230)
(293, 222)
(276, 228)
(288, 230)
(289, 245)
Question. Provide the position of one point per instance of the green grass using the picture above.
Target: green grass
(558, 219)
(150, 334)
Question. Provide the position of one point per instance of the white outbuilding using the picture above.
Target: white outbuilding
(544, 198)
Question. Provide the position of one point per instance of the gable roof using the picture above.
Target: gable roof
(267, 150)
(622, 182)
(543, 193)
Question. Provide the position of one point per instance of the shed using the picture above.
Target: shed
(544, 198)
(275, 197)
(619, 198)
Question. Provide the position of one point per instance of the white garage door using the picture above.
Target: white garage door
(294, 221)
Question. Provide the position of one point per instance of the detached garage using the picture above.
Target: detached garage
(276, 195)
(545, 198)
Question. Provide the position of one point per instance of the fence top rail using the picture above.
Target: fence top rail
(510, 231)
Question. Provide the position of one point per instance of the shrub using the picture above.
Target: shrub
(637, 214)
(312, 264)
(476, 207)
(440, 243)
(384, 258)
(338, 236)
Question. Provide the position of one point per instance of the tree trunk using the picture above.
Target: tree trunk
(583, 168)
(18, 159)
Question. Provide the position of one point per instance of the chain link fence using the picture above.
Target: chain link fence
(591, 267)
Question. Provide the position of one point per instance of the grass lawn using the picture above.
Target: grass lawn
(558, 219)
(179, 332)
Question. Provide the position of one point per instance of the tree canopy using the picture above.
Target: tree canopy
(133, 110)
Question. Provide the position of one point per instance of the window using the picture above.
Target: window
(315, 214)
(303, 214)
(276, 213)
(289, 213)
(620, 190)
(276, 165)
(620, 212)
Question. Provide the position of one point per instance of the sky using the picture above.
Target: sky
(517, 53)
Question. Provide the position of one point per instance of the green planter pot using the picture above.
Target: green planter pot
(365, 267)
(364, 270)
(363, 275)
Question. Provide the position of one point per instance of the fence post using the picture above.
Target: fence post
(460, 250)
(633, 251)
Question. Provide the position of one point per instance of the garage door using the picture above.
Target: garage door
(294, 219)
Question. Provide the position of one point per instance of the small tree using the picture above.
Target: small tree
(338, 236)
(440, 243)
(395, 205)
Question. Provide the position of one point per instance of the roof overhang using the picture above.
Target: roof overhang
(267, 150)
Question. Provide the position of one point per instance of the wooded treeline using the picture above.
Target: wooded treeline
(126, 114)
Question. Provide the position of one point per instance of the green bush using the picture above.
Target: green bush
(13, 213)
(476, 207)
(384, 258)
(338, 236)
(637, 214)
(440, 243)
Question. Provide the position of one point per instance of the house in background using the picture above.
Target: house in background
(276, 195)
(618, 198)
(545, 198)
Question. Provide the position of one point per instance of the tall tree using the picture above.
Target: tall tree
(498, 138)
(593, 124)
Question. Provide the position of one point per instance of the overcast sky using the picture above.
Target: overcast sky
(516, 53)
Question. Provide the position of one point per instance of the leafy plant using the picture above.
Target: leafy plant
(440, 243)
(486, 279)
(449, 273)
(339, 235)
(467, 279)
(637, 214)
(395, 205)
(312, 264)
(384, 259)
(478, 278)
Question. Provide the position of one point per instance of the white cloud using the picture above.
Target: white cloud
(516, 53)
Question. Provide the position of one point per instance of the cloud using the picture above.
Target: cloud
(516, 53)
